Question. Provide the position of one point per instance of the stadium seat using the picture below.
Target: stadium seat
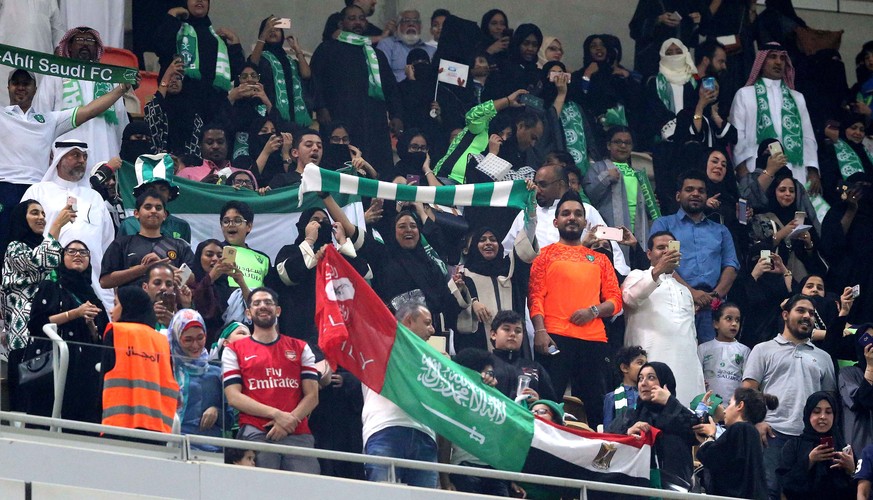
(119, 57)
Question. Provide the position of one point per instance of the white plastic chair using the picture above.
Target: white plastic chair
(60, 363)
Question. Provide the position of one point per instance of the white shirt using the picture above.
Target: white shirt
(93, 224)
(26, 141)
(660, 318)
(723, 364)
(547, 233)
(380, 413)
(104, 139)
(744, 116)
(30, 24)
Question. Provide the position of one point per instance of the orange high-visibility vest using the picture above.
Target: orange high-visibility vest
(140, 392)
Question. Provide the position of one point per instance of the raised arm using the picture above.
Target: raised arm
(101, 104)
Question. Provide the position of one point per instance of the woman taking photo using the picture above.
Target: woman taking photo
(30, 256)
(67, 299)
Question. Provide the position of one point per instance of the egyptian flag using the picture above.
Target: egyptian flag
(358, 332)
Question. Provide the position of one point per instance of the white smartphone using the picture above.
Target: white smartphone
(186, 273)
(284, 23)
(775, 148)
(800, 217)
(71, 201)
(856, 291)
(765, 256)
(673, 245)
(438, 343)
(228, 254)
(609, 233)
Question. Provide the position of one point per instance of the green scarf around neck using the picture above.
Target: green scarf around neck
(648, 192)
(187, 46)
(848, 159)
(792, 133)
(72, 97)
(374, 81)
(301, 114)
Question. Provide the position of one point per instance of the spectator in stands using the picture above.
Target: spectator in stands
(413, 149)
(734, 461)
(660, 315)
(24, 162)
(711, 61)
(209, 294)
(203, 410)
(621, 193)
(436, 25)
(167, 294)
(271, 150)
(333, 26)
(274, 402)
(571, 321)
(251, 266)
(723, 196)
(139, 392)
(407, 38)
(356, 91)
(103, 135)
(104, 181)
(571, 131)
(845, 243)
(773, 76)
(243, 179)
(791, 366)
(730, 22)
(236, 456)
(507, 337)
(175, 125)
(128, 257)
(336, 141)
(233, 331)
(520, 68)
(284, 77)
(420, 110)
(658, 407)
(670, 91)
(306, 148)
(612, 93)
(136, 140)
(248, 102)
(550, 50)
(653, 23)
(763, 284)
(723, 357)
(68, 300)
(150, 178)
(389, 431)
(35, 26)
(813, 464)
(65, 181)
(861, 94)
(495, 37)
(488, 274)
(848, 155)
(209, 57)
(710, 262)
(856, 393)
(629, 360)
(760, 186)
(214, 150)
(30, 257)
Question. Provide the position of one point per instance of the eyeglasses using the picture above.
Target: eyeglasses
(84, 40)
(541, 412)
(335, 139)
(406, 20)
(241, 182)
(249, 76)
(265, 302)
(77, 251)
(488, 373)
(622, 143)
(239, 221)
(545, 184)
(417, 148)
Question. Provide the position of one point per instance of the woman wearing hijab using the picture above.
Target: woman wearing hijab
(209, 57)
(816, 464)
(550, 50)
(248, 102)
(495, 36)
(722, 194)
(667, 93)
(565, 126)
(30, 256)
(136, 140)
(417, 96)
(654, 22)
(210, 290)
(848, 156)
(856, 393)
(520, 70)
(270, 142)
(759, 289)
(861, 94)
(658, 407)
(199, 382)
(283, 75)
(175, 124)
(67, 299)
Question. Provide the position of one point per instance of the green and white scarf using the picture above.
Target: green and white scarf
(792, 134)
(665, 92)
(574, 135)
(648, 192)
(73, 97)
(848, 159)
(619, 397)
(187, 46)
(301, 114)
(374, 81)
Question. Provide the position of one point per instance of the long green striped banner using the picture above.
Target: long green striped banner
(494, 194)
(50, 64)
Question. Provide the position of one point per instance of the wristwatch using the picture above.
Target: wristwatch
(594, 310)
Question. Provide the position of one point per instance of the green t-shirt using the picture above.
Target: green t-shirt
(254, 266)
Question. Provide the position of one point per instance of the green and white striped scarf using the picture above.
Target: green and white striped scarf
(73, 97)
(187, 47)
(301, 114)
(574, 135)
(848, 159)
(792, 134)
(486, 194)
(374, 89)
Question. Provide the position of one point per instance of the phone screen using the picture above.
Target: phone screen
(742, 211)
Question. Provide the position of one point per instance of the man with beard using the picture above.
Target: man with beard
(357, 88)
(709, 259)
(214, 150)
(792, 367)
(571, 288)
(65, 182)
(332, 26)
(710, 59)
(272, 380)
(407, 37)
(103, 134)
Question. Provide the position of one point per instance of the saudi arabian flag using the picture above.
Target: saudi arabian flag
(276, 213)
(358, 332)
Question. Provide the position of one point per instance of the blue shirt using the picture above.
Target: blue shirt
(396, 51)
(707, 248)
(865, 465)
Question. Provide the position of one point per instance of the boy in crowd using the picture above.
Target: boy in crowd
(507, 336)
(630, 360)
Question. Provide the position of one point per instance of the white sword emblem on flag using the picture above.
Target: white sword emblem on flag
(474, 434)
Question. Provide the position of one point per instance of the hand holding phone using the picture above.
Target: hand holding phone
(775, 148)
(71, 202)
(283, 23)
(609, 233)
(743, 211)
(228, 255)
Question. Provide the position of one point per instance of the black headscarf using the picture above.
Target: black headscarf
(19, 229)
(198, 270)
(550, 90)
(416, 261)
(136, 306)
(181, 115)
(665, 378)
(410, 163)
(728, 186)
(486, 18)
(325, 231)
(613, 50)
(811, 434)
(861, 72)
(523, 31)
(784, 214)
(131, 150)
(859, 150)
(76, 282)
(498, 266)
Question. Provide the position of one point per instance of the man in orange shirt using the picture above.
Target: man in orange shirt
(571, 288)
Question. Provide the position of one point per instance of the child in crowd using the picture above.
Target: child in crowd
(237, 456)
(507, 335)
(624, 398)
(723, 358)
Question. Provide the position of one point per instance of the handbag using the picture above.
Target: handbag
(36, 370)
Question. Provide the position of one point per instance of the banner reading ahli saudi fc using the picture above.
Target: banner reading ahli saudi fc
(49, 64)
